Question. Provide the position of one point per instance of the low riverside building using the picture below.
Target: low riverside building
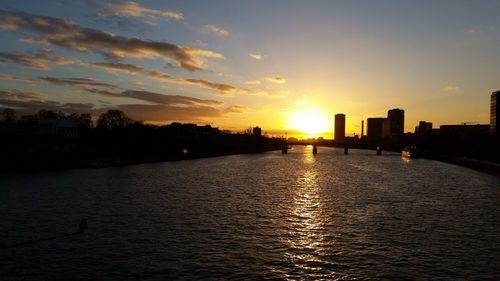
(57, 127)
(463, 131)
(378, 128)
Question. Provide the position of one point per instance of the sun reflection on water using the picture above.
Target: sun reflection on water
(309, 157)
(306, 235)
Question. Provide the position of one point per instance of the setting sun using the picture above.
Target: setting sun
(310, 121)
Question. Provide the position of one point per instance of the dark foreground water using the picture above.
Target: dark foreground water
(263, 216)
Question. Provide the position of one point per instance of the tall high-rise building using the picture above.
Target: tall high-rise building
(396, 117)
(339, 127)
(257, 131)
(494, 113)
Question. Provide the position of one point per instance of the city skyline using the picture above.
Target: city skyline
(289, 66)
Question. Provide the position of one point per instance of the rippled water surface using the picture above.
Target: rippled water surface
(264, 216)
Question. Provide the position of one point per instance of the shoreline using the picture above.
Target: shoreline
(486, 167)
(108, 162)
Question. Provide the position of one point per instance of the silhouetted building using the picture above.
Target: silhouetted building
(257, 131)
(339, 128)
(397, 121)
(494, 113)
(423, 128)
(378, 128)
(362, 128)
(58, 127)
(464, 131)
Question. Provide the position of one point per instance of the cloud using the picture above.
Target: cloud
(221, 88)
(168, 107)
(8, 77)
(38, 60)
(217, 30)
(234, 109)
(255, 56)
(13, 94)
(132, 9)
(161, 107)
(173, 100)
(451, 88)
(74, 82)
(165, 113)
(253, 82)
(30, 102)
(110, 66)
(277, 79)
(34, 40)
(67, 34)
(79, 82)
(199, 42)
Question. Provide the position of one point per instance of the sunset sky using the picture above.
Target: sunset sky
(280, 65)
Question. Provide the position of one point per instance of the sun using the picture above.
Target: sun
(310, 121)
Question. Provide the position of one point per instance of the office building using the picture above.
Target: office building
(464, 131)
(257, 131)
(423, 128)
(378, 128)
(494, 113)
(396, 117)
(339, 128)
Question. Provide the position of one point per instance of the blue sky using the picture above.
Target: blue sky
(245, 63)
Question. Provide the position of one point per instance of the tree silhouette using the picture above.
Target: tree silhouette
(113, 119)
(51, 114)
(84, 120)
(8, 115)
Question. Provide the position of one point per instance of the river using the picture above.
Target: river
(259, 216)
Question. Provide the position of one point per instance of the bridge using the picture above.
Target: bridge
(330, 143)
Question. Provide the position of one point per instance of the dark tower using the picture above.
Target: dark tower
(396, 117)
(339, 128)
(362, 128)
(494, 113)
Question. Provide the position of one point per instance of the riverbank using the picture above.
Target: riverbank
(64, 161)
(478, 165)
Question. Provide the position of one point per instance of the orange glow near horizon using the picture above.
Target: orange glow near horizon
(312, 121)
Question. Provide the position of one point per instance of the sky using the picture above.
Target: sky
(282, 65)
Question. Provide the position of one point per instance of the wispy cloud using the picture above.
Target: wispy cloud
(132, 9)
(38, 60)
(157, 98)
(200, 43)
(255, 56)
(277, 79)
(74, 82)
(160, 107)
(116, 66)
(253, 82)
(301, 101)
(234, 109)
(451, 88)
(217, 30)
(168, 107)
(80, 82)
(14, 94)
(29, 102)
(221, 88)
(67, 34)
